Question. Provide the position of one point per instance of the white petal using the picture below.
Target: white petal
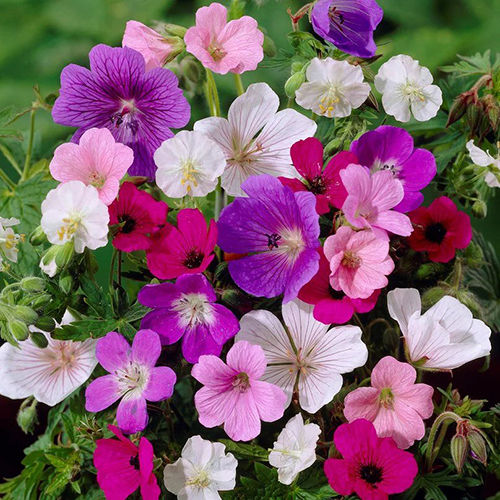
(427, 108)
(402, 304)
(395, 103)
(478, 156)
(453, 316)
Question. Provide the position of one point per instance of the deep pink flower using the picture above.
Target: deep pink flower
(394, 403)
(233, 393)
(122, 467)
(372, 467)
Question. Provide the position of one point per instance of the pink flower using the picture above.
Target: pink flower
(97, 160)
(372, 467)
(359, 262)
(222, 46)
(370, 199)
(234, 395)
(394, 403)
(122, 467)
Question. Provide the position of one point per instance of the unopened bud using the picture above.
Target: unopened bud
(176, 44)
(174, 30)
(64, 254)
(191, 69)
(479, 209)
(458, 449)
(477, 446)
(27, 416)
(41, 301)
(294, 83)
(269, 47)
(474, 255)
(32, 284)
(39, 339)
(45, 323)
(18, 329)
(37, 237)
(433, 295)
(24, 314)
(491, 110)
(66, 283)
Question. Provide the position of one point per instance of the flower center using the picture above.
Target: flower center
(329, 100)
(389, 165)
(127, 223)
(132, 377)
(11, 240)
(69, 227)
(371, 474)
(386, 398)
(189, 174)
(96, 180)
(412, 92)
(435, 232)
(200, 480)
(351, 260)
(336, 17)
(241, 382)
(317, 185)
(124, 119)
(194, 309)
(272, 240)
(134, 462)
(292, 243)
(194, 258)
(216, 51)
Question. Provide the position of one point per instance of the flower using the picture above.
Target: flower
(372, 467)
(370, 198)
(310, 358)
(189, 164)
(484, 159)
(135, 215)
(188, 309)
(233, 393)
(222, 46)
(405, 86)
(185, 249)
(295, 449)
(359, 262)
(445, 337)
(122, 467)
(202, 470)
(139, 107)
(325, 184)
(74, 212)
(256, 138)
(440, 229)
(333, 88)
(331, 306)
(133, 377)
(394, 403)
(97, 161)
(280, 229)
(349, 25)
(391, 148)
(9, 239)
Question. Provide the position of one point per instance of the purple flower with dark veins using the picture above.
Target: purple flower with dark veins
(139, 107)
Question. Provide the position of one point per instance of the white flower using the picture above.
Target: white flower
(405, 85)
(73, 211)
(333, 88)
(202, 470)
(189, 164)
(445, 337)
(316, 358)
(295, 449)
(256, 138)
(484, 159)
(9, 239)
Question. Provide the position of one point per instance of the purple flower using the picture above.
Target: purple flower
(187, 309)
(391, 148)
(279, 229)
(133, 377)
(348, 24)
(117, 93)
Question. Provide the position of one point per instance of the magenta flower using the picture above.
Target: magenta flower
(122, 467)
(234, 395)
(372, 467)
(188, 309)
(394, 403)
(117, 93)
(222, 46)
(133, 377)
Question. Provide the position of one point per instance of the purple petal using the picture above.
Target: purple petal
(146, 347)
(161, 384)
(160, 295)
(410, 201)
(165, 323)
(418, 170)
(112, 351)
(197, 342)
(101, 393)
(132, 415)
(226, 324)
(196, 283)
(304, 269)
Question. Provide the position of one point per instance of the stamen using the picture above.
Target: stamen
(351, 260)
(329, 100)
(70, 226)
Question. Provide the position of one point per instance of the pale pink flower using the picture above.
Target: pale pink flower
(97, 161)
(222, 46)
(359, 262)
(394, 403)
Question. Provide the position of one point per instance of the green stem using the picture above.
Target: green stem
(10, 159)
(213, 94)
(29, 151)
(440, 439)
(239, 84)
(219, 197)
(112, 267)
(430, 453)
(7, 180)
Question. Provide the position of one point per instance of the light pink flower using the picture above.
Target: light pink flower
(370, 198)
(97, 161)
(394, 403)
(222, 46)
(234, 395)
(359, 262)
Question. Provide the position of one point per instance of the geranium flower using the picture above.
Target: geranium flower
(256, 138)
(9, 239)
(333, 88)
(371, 467)
(189, 164)
(391, 148)
(74, 212)
(233, 393)
(280, 229)
(484, 159)
(202, 470)
(185, 249)
(359, 262)
(310, 358)
(133, 377)
(349, 25)
(122, 467)
(97, 161)
(188, 309)
(440, 229)
(445, 337)
(295, 449)
(139, 107)
(222, 46)
(405, 86)
(135, 215)
(394, 403)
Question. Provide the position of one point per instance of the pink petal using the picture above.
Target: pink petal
(101, 393)
(214, 406)
(213, 372)
(307, 157)
(247, 358)
(362, 403)
(337, 473)
(269, 399)
(112, 351)
(160, 385)
(132, 415)
(389, 372)
(243, 423)
(355, 438)
(146, 348)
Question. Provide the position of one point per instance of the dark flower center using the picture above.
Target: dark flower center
(272, 240)
(128, 224)
(241, 382)
(124, 119)
(435, 232)
(371, 474)
(334, 294)
(194, 258)
(134, 462)
(317, 185)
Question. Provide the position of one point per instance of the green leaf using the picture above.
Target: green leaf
(246, 451)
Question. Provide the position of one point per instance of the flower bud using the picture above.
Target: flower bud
(433, 295)
(479, 209)
(27, 416)
(41, 301)
(24, 314)
(39, 339)
(176, 44)
(64, 254)
(174, 30)
(66, 283)
(191, 69)
(491, 110)
(269, 47)
(32, 284)
(18, 329)
(294, 83)
(45, 323)
(458, 449)
(477, 446)
(37, 237)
